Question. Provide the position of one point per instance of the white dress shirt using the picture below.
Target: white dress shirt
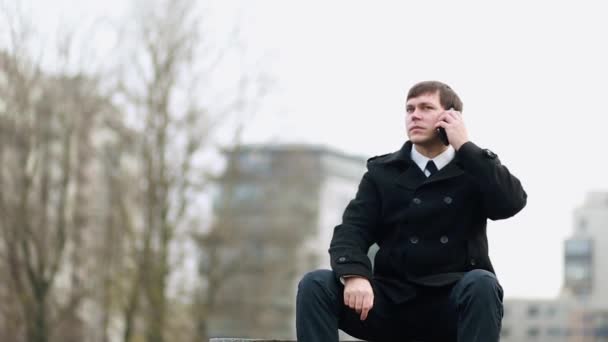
(440, 161)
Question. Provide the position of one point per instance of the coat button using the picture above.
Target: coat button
(444, 239)
(447, 199)
(473, 262)
(414, 239)
(417, 200)
(341, 259)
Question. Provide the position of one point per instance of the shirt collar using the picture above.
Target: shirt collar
(440, 161)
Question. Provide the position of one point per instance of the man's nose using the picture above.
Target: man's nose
(416, 114)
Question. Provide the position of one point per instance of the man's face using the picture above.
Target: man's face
(422, 113)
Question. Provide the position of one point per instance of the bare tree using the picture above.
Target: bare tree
(116, 267)
(97, 206)
(175, 127)
(47, 125)
(50, 124)
(176, 96)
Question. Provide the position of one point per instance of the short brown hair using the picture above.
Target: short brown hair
(447, 97)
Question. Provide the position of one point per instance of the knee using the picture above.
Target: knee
(315, 280)
(482, 285)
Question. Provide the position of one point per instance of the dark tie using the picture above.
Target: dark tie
(430, 167)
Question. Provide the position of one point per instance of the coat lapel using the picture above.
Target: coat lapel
(411, 178)
(453, 169)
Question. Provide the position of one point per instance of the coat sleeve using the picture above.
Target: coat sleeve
(503, 194)
(353, 237)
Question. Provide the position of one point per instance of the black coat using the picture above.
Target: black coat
(430, 230)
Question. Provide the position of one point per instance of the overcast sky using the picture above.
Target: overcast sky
(532, 76)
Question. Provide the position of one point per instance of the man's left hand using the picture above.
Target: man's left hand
(451, 121)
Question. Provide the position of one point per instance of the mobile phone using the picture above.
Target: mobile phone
(443, 136)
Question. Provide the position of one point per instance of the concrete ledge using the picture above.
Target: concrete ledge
(246, 340)
(231, 339)
(225, 339)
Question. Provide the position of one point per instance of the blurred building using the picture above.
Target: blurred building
(557, 320)
(580, 313)
(277, 207)
(535, 320)
(586, 253)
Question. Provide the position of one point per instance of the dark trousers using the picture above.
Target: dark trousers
(468, 311)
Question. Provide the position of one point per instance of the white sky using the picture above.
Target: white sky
(532, 76)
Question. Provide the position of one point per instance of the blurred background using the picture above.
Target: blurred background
(171, 169)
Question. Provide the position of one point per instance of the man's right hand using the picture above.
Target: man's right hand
(358, 295)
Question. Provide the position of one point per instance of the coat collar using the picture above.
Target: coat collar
(401, 156)
(412, 177)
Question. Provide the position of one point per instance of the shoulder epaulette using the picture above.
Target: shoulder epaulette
(377, 158)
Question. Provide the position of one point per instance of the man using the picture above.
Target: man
(426, 207)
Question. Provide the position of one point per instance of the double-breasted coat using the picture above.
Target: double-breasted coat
(430, 230)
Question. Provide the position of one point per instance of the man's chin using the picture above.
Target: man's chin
(423, 141)
(416, 139)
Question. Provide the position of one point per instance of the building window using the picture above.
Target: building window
(533, 311)
(577, 272)
(256, 162)
(554, 331)
(602, 331)
(578, 265)
(578, 248)
(247, 192)
(533, 332)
